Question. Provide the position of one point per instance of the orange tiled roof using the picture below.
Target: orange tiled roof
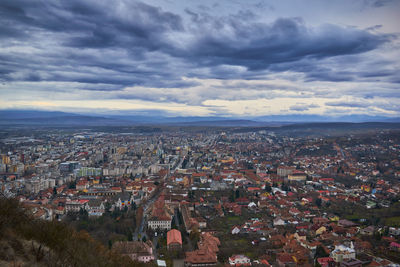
(174, 236)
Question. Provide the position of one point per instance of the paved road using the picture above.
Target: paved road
(146, 207)
(149, 203)
(176, 218)
(155, 242)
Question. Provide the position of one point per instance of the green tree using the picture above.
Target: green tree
(173, 223)
(194, 236)
(129, 235)
(232, 196)
(318, 202)
(285, 187)
(320, 252)
(107, 206)
(268, 188)
(72, 185)
(237, 193)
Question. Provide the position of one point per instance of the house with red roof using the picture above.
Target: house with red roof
(395, 246)
(136, 250)
(75, 205)
(206, 254)
(160, 217)
(285, 259)
(239, 260)
(326, 262)
(174, 240)
(82, 185)
(200, 257)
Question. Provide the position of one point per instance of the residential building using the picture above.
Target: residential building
(136, 250)
(343, 253)
(239, 260)
(174, 240)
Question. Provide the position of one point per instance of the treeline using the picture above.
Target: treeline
(360, 214)
(34, 242)
(117, 225)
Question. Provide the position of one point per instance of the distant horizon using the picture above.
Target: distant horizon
(21, 114)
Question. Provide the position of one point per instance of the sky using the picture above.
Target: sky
(231, 58)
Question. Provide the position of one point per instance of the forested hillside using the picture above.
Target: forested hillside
(25, 241)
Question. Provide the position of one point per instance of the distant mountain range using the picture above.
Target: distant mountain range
(52, 118)
(57, 118)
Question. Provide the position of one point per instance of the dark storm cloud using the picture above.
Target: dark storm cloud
(302, 107)
(110, 45)
(344, 68)
(377, 3)
(378, 73)
(96, 24)
(329, 76)
(74, 27)
(344, 106)
(143, 26)
(258, 46)
(298, 108)
(372, 75)
(347, 104)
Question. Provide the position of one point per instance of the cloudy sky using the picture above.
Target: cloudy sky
(201, 58)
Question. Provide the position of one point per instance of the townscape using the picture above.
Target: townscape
(176, 133)
(216, 197)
